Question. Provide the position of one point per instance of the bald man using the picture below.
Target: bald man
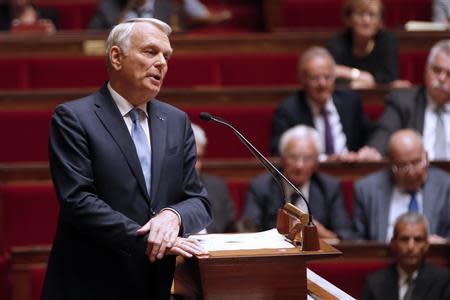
(409, 184)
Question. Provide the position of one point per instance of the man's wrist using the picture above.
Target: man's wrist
(175, 212)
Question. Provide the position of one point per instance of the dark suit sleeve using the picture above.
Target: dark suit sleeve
(389, 122)
(360, 218)
(386, 69)
(282, 121)
(368, 290)
(340, 221)
(194, 207)
(73, 177)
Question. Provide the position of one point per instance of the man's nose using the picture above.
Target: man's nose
(160, 60)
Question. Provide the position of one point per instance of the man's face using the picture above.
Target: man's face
(366, 22)
(437, 78)
(410, 245)
(299, 160)
(144, 66)
(409, 167)
(318, 79)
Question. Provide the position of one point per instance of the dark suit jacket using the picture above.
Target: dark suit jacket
(431, 283)
(404, 108)
(295, 110)
(264, 198)
(372, 198)
(103, 199)
(222, 208)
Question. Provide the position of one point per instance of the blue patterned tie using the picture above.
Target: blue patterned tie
(142, 146)
(413, 205)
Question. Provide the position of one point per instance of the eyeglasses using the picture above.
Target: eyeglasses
(370, 14)
(316, 78)
(409, 167)
(437, 70)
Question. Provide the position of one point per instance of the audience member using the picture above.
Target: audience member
(21, 13)
(182, 12)
(299, 161)
(409, 185)
(222, 209)
(441, 11)
(337, 115)
(123, 167)
(365, 54)
(424, 109)
(410, 277)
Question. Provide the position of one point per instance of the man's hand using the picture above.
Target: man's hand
(187, 248)
(163, 232)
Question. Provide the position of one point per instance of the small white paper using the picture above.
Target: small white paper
(269, 239)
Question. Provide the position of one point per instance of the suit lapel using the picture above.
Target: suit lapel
(158, 132)
(304, 111)
(110, 116)
(430, 199)
(419, 113)
(423, 283)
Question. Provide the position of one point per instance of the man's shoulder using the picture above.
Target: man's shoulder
(438, 175)
(293, 99)
(434, 271)
(404, 95)
(373, 178)
(346, 95)
(263, 180)
(325, 179)
(382, 274)
(166, 108)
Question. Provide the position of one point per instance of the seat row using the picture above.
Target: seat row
(184, 71)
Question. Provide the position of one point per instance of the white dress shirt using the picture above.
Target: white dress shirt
(403, 281)
(429, 128)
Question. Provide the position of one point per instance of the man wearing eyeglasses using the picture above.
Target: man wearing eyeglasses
(299, 161)
(424, 109)
(408, 185)
(336, 115)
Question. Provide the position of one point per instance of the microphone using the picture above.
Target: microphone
(312, 241)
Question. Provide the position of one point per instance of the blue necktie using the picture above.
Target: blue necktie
(413, 205)
(142, 146)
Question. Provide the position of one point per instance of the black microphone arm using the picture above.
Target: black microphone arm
(266, 163)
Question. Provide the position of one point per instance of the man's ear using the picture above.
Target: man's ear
(115, 57)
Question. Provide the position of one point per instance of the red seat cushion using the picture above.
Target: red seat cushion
(238, 191)
(192, 70)
(26, 135)
(4, 283)
(30, 213)
(412, 66)
(36, 276)
(348, 276)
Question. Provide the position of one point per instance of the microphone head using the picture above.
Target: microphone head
(205, 116)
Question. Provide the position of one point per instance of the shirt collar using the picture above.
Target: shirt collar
(122, 103)
(402, 275)
(432, 105)
(315, 109)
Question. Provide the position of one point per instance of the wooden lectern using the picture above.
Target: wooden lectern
(249, 274)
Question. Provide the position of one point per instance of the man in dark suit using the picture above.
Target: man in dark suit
(222, 209)
(337, 115)
(299, 162)
(123, 166)
(421, 108)
(410, 277)
(408, 185)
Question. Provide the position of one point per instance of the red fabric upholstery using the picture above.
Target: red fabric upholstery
(253, 122)
(14, 73)
(348, 276)
(4, 283)
(259, 69)
(412, 66)
(30, 213)
(238, 191)
(72, 15)
(373, 110)
(185, 71)
(67, 72)
(36, 276)
(24, 135)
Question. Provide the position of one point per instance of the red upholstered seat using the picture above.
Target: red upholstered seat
(238, 191)
(412, 66)
(373, 110)
(4, 283)
(14, 73)
(36, 276)
(30, 212)
(25, 135)
(193, 70)
(67, 72)
(253, 122)
(259, 69)
(73, 15)
(348, 276)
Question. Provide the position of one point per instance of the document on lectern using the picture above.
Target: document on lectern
(269, 239)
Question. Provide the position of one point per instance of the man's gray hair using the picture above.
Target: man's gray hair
(299, 132)
(411, 218)
(199, 134)
(314, 52)
(121, 33)
(440, 47)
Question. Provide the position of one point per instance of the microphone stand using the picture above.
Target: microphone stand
(310, 235)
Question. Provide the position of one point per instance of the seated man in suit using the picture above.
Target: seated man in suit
(410, 277)
(408, 185)
(424, 109)
(299, 161)
(222, 209)
(337, 115)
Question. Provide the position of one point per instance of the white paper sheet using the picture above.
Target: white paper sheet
(269, 239)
